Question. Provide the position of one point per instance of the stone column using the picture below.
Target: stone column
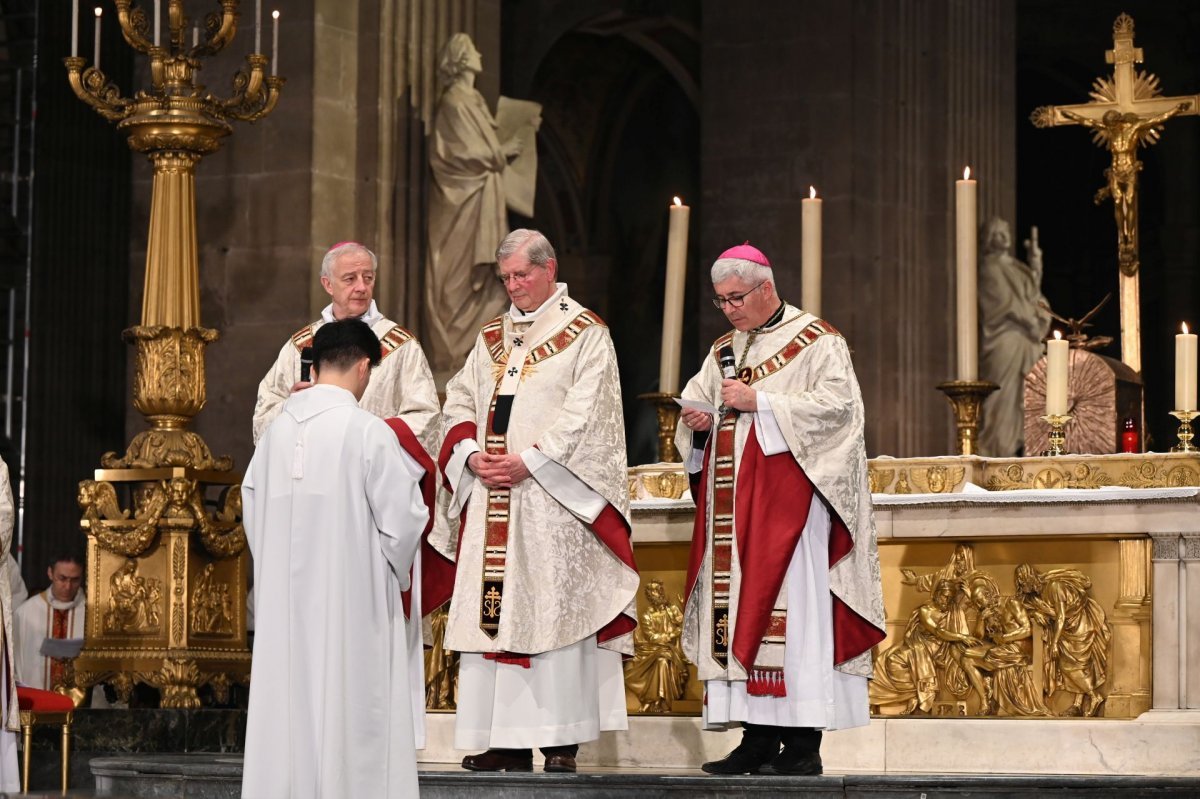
(1189, 621)
(1169, 646)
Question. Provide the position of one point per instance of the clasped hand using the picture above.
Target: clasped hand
(498, 471)
(734, 394)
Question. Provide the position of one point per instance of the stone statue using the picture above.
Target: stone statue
(1014, 323)
(658, 672)
(1075, 632)
(469, 196)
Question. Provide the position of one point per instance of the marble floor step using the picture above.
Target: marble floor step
(219, 777)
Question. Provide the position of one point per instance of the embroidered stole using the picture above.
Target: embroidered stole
(766, 673)
(512, 368)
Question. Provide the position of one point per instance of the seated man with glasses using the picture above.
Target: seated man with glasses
(544, 598)
(781, 476)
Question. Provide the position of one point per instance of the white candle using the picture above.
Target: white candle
(1185, 370)
(275, 44)
(810, 252)
(672, 333)
(74, 28)
(966, 269)
(96, 48)
(258, 26)
(1057, 352)
(156, 11)
(195, 36)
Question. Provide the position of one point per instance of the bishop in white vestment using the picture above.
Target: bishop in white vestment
(10, 713)
(544, 595)
(401, 386)
(784, 600)
(58, 612)
(334, 515)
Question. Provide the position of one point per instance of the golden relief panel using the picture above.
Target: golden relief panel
(950, 475)
(1044, 629)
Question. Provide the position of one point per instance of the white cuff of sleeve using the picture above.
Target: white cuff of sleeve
(462, 479)
(695, 461)
(770, 437)
(567, 489)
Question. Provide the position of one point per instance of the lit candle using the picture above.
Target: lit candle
(1057, 351)
(810, 252)
(74, 28)
(1185, 370)
(156, 11)
(96, 48)
(966, 268)
(275, 44)
(672, 334)
(258, 26)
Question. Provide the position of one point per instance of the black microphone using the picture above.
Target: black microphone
(306, 362)
(728, 369)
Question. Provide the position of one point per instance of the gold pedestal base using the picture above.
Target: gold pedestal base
(966, 398)
(1185, 431)
(668, 419)
(1058, 435)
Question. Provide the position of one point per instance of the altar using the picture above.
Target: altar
(1130, 523)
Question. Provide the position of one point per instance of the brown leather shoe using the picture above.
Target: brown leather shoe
(500, 760)
(560, 763)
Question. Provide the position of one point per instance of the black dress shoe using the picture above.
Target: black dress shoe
(795, 762)
(560, 763)
(499, 760)
(739, 761)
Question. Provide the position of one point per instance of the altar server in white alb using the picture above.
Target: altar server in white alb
(58, 612)
(10, 714)
(784, 600)
(544, 595)
(334, 514)
(401, 386)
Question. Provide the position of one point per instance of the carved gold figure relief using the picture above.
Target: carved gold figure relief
(212, 604)
(134, 602)
(441, 665)
(969, 649)
(658, 672)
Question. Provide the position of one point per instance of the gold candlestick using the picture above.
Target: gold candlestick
(1058, 435)
(966, 398)
(1185, 431)
(668, 418)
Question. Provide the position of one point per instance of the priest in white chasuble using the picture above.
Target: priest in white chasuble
(58, 612)
(401, 386)
(334, 513)
(544, 595)
(784, 600)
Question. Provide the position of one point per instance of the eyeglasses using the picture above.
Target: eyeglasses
(734, 300)
(518, 277)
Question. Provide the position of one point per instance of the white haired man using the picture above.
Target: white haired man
(782, 633)
(545, 595)
(401, 386)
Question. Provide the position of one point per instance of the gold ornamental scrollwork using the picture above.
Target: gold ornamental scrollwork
(880, 479)
(114, 532)
(223, 536)
(177, 680)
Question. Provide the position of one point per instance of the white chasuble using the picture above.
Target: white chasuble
(401, 386)
(10, 778)
(545, 576)
(334, 515)
(38, 618)
(810, 664)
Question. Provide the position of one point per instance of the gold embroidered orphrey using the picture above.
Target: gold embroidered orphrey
(1126, 111)
(495, 545)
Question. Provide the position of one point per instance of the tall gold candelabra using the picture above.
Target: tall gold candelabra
(166, 574)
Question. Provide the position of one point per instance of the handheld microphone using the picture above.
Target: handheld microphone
(728, 369)
(306, 362)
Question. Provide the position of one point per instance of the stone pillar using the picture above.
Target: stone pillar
(1189, 621)
(1169, 646)
(879, 105)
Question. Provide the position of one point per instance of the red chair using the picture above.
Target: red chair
(44, 707)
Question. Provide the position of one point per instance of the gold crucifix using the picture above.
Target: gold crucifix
(1126, 111)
